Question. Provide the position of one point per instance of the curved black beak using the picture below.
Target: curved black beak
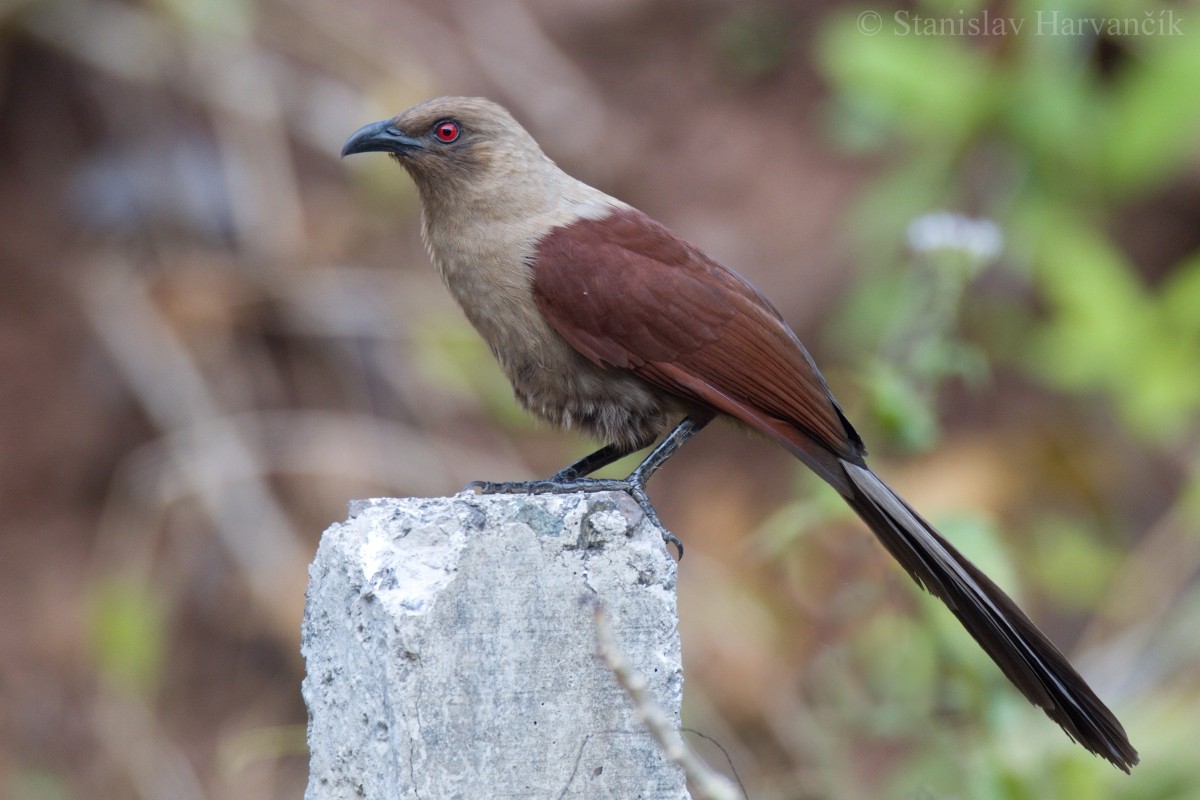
(379, 137)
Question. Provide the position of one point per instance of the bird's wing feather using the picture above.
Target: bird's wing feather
(711, 338)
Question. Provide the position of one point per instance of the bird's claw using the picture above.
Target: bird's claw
(635, 490)
(671, 539)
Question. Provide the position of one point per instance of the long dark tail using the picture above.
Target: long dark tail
(1027, 657)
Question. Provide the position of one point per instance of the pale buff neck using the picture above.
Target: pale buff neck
(492, 215)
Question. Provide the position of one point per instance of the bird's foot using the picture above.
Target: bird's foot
(556, 484)
(564, 483)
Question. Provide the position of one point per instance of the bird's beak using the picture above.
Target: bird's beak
(380, 137)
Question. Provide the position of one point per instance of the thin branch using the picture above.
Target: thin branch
(707, 784)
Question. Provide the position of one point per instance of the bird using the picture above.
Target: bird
(607, 323)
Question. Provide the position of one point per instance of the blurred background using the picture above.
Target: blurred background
(213, 335)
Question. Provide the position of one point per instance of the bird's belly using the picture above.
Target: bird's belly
(560, 386)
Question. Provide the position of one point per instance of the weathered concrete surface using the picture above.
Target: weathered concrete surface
(449, 654)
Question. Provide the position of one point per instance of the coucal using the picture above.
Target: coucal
(606, 322)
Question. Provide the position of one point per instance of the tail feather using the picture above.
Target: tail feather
(1027, 657)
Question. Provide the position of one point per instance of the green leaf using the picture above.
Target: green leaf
(1181, 298)
(1153, 119)
(128, 635)
(900, 409)
(1049, 111)
(1072, 564)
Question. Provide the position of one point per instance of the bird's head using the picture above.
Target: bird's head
(450, 142)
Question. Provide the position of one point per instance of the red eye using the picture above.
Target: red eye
(446, 131)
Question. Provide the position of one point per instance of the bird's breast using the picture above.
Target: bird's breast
(491, 280)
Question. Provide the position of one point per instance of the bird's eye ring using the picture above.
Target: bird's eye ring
(446, 131)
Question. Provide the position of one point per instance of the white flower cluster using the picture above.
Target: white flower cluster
(945, 230)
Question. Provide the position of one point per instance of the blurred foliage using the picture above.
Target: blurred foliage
(128, 636)
(754, 41)
(1110, 333)
(1051, 139)
(34, 784)
(1058, 540)
(1033, 135)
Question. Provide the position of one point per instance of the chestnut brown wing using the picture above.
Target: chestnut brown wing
(626, 292)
